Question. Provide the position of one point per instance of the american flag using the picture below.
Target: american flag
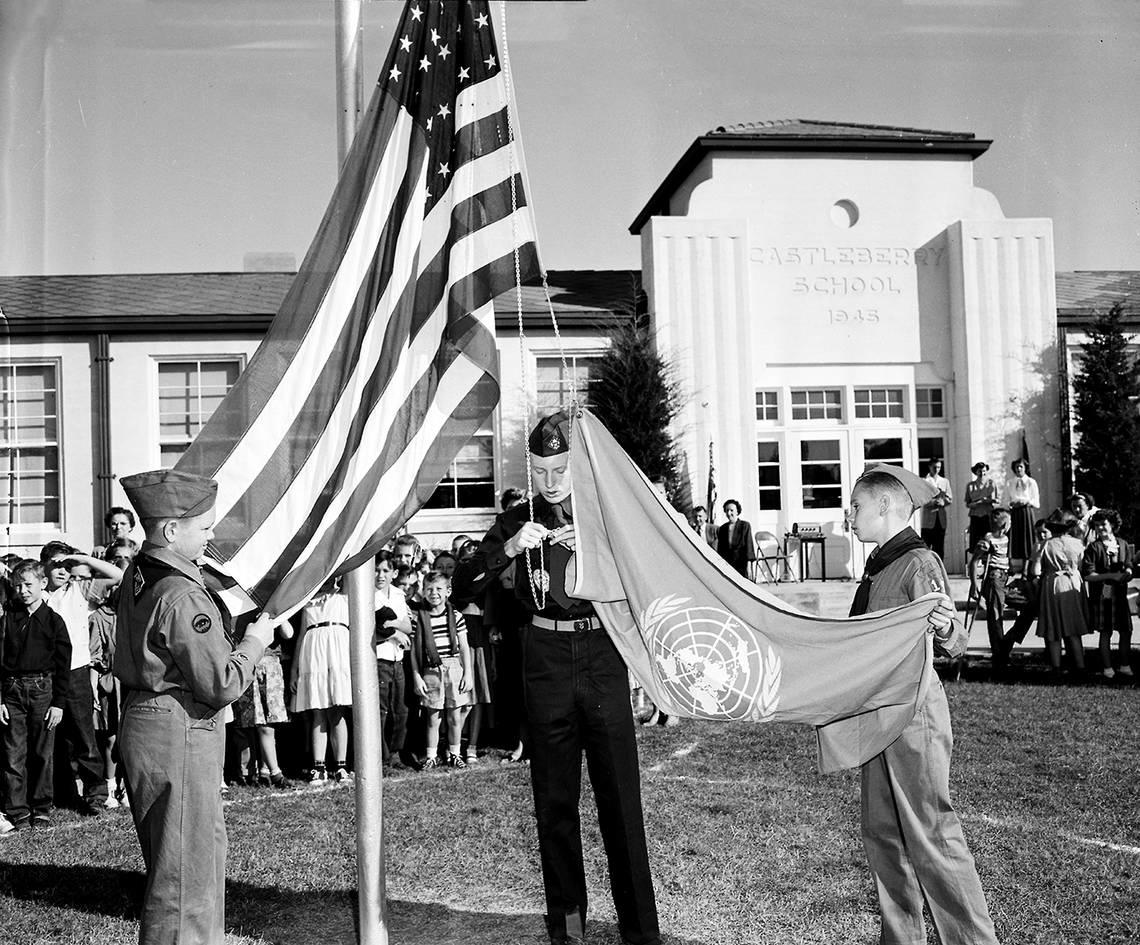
(381, 362)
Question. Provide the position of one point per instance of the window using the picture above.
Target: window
(821, 475)
(767, 405)
(188, 394)
(931, 447)
(470, 480)
(817, 404)
(557, 387)
(879, 402)
(29, 444)
(928, 403)
(768, 462)
(886, 449)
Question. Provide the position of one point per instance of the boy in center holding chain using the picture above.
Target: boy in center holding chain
(576, 689)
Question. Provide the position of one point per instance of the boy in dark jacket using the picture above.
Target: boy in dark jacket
(35, 670)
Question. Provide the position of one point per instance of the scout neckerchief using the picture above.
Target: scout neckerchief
(899, 545)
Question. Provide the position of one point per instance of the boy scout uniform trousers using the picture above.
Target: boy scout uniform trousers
(179, 669)
(912, 836)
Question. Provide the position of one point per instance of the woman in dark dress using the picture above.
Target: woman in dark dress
(734, 540)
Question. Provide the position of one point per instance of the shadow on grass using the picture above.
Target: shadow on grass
(284, 916)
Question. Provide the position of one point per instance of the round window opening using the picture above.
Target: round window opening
(844, 214)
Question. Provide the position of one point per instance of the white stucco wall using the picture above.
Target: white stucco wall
(784, 271)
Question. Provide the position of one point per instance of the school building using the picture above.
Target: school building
(831, 295)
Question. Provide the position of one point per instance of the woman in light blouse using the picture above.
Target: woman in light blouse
(1024, 500)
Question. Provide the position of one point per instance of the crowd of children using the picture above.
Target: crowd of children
(1073, 581)
(445, 697)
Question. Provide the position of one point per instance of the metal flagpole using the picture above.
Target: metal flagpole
(370, 890)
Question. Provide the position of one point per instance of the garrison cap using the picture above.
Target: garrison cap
(551, 436)
(170, 493)
(919, 490)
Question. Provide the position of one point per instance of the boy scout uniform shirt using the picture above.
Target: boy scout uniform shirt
(916, 573)
(171, 635)
(474, 576)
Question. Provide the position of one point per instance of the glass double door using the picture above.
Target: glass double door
(825, 467)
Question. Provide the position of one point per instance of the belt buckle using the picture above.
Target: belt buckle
(582, 623)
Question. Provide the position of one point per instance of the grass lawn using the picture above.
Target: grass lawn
(749, 844)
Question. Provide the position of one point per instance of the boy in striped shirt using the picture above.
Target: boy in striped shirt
(441, 669)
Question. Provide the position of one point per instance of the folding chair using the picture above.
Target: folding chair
(769, 549)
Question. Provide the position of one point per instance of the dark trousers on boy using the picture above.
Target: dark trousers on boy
(577, 696)
(78, 730)
(28, 746)
(393, 707)
(993, 593)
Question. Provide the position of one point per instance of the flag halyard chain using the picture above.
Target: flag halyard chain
(539, 579)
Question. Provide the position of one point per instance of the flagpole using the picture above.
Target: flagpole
(371, 896)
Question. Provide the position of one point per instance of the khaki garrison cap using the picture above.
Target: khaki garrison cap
(168, 493)
(919, 490)
(551, 436)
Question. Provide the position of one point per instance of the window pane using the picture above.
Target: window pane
(29, 457)
(470, 481)
(929, 404)
(820, 474)
(819, 450)
(930, 447)
(883, 450)
(188, 394)
(556, 387)
(768, 452)
(768, 467)
(770, 500)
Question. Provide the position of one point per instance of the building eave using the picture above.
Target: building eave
(798, 144)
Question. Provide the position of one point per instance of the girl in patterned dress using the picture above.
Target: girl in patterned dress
(261, 707)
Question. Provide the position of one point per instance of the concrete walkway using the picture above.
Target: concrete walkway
(833, 599)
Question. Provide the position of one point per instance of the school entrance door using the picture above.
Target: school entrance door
(824, 467)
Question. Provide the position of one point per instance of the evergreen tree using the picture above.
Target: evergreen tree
(635, 393)
(1107, 414)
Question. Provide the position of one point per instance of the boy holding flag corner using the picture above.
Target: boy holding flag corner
(912, 836)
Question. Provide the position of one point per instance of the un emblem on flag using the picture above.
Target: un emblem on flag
(710, 662)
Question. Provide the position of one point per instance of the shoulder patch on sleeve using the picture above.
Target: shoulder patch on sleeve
(139, 583)
(202, 623)
(931, 574)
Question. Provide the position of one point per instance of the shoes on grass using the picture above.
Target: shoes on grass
(455, 761)
(6, 826)
(471, 758)
(318, 776)
(1125, 671)
(430, 763)
(1108, 673)
(41, 819)
(112, 802)
(342, 775)
(121, 797)
(91, 808)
